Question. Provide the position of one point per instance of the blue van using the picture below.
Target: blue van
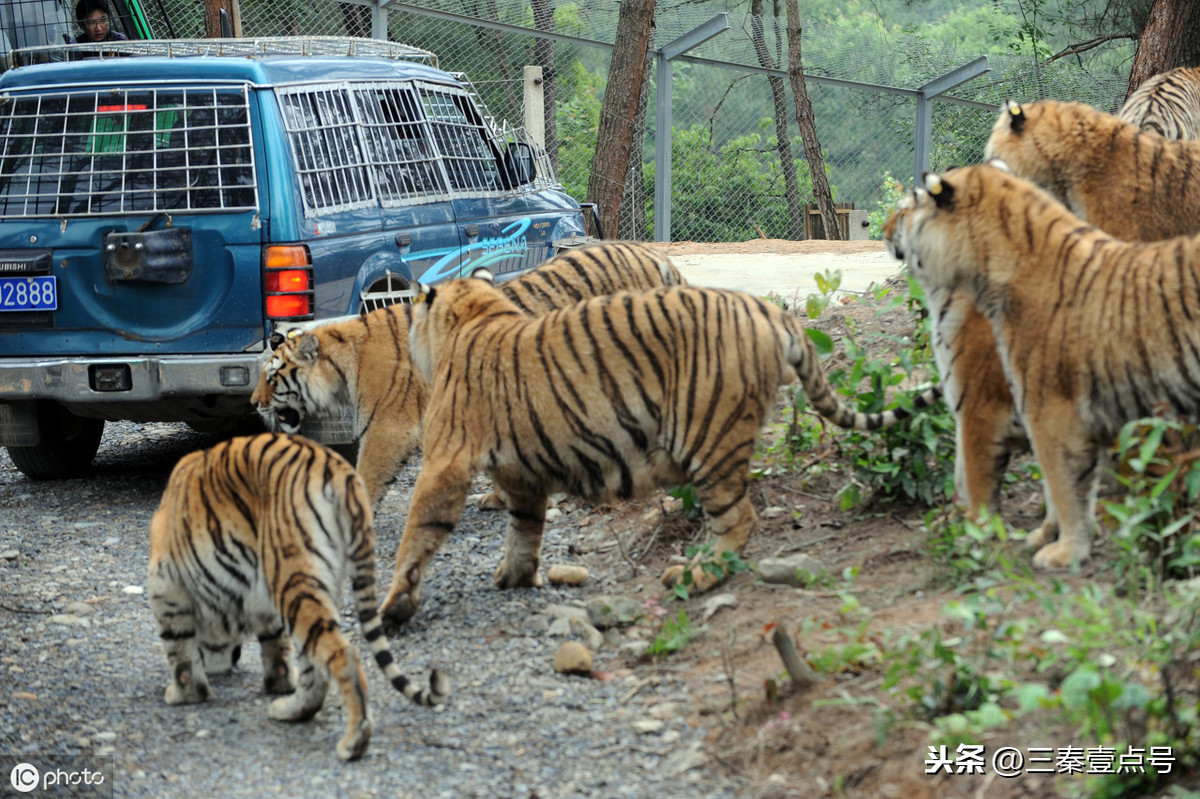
(164, 205)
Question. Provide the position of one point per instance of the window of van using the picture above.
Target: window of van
(136, 151)
(387, 144)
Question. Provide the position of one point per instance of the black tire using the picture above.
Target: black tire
(68, 445)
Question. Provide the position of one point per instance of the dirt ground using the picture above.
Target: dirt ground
(845, 735)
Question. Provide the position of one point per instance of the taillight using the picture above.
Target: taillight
(287, 282)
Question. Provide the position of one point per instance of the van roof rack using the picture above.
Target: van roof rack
(259, 47)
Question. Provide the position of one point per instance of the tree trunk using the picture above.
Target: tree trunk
(545, 56)
(1170, 39)
(614, 139)
(787, 166)
(634, 223)
(808, 126)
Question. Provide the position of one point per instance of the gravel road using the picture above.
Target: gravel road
(82, 671)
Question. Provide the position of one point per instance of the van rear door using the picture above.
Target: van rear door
(143, 203)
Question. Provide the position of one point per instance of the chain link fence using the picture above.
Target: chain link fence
(727, 175)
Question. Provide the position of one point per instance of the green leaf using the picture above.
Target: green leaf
(821, 341)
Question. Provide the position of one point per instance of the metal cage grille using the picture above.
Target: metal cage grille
(130, 151)
(388, 143)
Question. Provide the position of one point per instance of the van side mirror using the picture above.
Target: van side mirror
(520, 163)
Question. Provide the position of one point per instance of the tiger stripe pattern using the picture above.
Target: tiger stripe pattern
(1127, 182)
(259, 534)
(1071, 309)
(608, 399)
(363, 363)
(1167, 104)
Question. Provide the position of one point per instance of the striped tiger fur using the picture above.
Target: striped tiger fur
(1134, 185)
(1092, 331)
(364, 364)
(1167, 104)
(258, 534)
(607, 399)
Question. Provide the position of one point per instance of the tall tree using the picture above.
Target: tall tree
(808, 126)
(614, 138)
(791, 188)
(1170, 39)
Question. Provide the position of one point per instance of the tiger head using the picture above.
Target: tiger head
(438, 312)
(296, 382)
(1048, 141)
(928, 227)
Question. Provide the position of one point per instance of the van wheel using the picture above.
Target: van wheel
(68, 444)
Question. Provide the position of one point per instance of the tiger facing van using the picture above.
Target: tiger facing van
(363, 363)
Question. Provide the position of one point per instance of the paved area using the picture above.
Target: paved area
(786, 275)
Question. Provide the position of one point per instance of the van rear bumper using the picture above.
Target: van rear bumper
(80, 381)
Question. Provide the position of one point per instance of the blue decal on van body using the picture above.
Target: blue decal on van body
(512, 243)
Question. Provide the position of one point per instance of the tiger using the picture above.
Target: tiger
(1135, 185)
(1167, 104)
(607, 399)
(363, 363)
(1065, 148)
(1067, 304)
(258, 534)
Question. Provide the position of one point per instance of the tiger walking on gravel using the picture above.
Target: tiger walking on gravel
(259, 535)
(610, 398)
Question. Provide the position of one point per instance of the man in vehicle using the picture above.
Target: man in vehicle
(95, 18)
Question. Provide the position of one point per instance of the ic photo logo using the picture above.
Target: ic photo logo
(24, 777)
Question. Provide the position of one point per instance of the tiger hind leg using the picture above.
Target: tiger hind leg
(731, 517)
(177, 624)
(277, 673)
(523, 541)
(1070, 464)
(312, 683)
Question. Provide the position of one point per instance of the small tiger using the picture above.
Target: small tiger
(1079, 155)
(1069, 307)
(609, 398)
(258, 535)
(364, 364)
(1167, 104)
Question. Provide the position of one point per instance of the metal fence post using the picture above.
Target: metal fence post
(535, 104)
(925, 94)
(662, 116)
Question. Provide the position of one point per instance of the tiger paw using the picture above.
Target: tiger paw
(294, 707)
(186, 690)
(354, 743)
(492, 501)
(520, 575)
(1058, 556)
(1040, 537)
(701, 580)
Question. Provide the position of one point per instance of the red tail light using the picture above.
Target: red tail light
(287, 282)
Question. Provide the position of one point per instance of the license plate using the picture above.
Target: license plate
(32, 293)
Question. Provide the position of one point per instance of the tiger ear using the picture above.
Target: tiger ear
(941, 191)
(307, 349)
(483, 273)
(275, 339)
(1016, 115)
(425, 294)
